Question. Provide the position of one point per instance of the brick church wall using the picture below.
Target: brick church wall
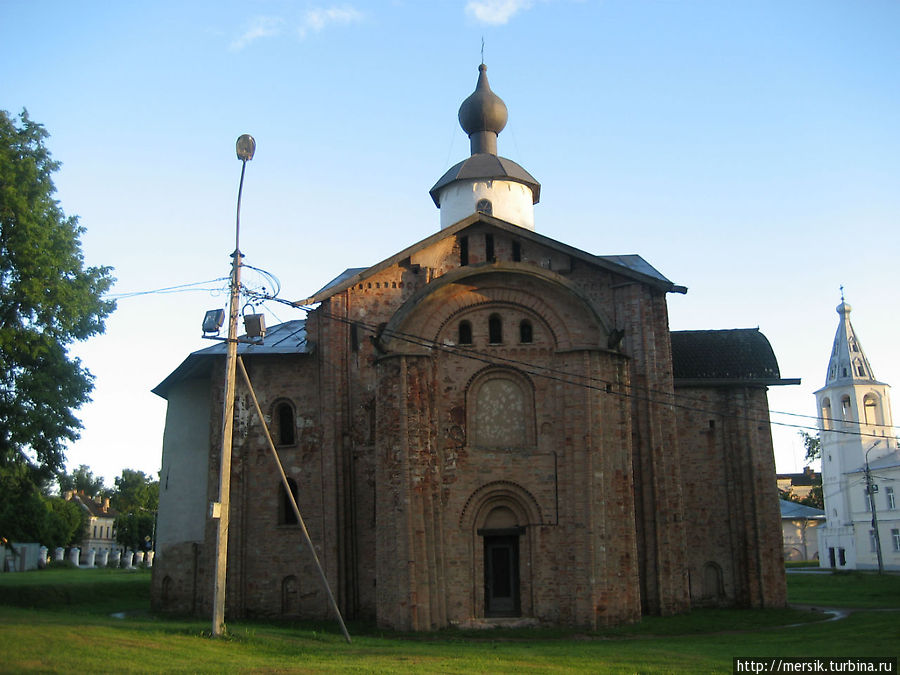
(604, 480)
(732, 514)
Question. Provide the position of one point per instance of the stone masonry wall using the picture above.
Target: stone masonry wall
(733, 520)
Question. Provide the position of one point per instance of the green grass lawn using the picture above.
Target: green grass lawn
(845, 589)
(59, 621)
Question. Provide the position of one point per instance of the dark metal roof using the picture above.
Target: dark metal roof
(636, 263)
(724, 357)
(341, 278)
(631, 266)
(791, 509)
(488, 166)
(283, 338)
(888, 461)
(808, 477)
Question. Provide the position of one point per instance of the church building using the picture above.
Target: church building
(488, 424)
(860, 460)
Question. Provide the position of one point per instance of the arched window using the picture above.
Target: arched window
(465, 333)
(495, 329)
(713, 588)
(526, 333)
(870, 407)
(285, 425)
(500, 407)
(846, 410)
(290, 596)
(463, 250)
(286, 515)
(484, 206)
(859, 368)
(826, 413)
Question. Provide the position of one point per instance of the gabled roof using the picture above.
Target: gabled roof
(284, 338)
(95, 506)
(793, 510)
(801, 479)
(630, 266)
(724, 357)
(888, 461)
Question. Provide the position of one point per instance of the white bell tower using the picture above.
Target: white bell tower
(855, 427)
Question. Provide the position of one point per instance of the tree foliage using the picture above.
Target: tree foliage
(813, 445)
(66, 523)
(135, 530)
(136, 498)
(28, 516)
(815, 497)
(48, 300)
(83, 480)
(135, 491)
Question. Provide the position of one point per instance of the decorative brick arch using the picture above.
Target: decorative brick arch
(516, 509)
(541, 293)
(495, 494)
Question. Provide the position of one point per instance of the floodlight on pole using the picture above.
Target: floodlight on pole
(245, 147)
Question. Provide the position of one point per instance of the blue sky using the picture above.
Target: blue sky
(748, 150)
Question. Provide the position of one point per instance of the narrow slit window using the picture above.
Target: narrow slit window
(463, 251)
(489, 248)
(286, 515)
(284, 414)
(516, 251)
(526, 333)
(465, 333)
(495, 329)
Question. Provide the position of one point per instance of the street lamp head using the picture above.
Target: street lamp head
(245, 147)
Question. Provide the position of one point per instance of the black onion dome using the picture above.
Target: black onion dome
(483, 110)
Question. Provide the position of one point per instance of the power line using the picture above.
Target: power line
(565, 377)
(181, 288)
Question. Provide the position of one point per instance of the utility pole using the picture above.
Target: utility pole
(870, 491)
(245, 147)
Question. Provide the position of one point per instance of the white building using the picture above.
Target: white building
(857, 435)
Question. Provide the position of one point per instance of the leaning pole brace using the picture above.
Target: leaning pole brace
(296, 508)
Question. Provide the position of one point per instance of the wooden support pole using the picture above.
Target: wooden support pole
(293, 501)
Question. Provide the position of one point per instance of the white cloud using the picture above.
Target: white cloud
(317, 19)
(261, 27)
(496, 12)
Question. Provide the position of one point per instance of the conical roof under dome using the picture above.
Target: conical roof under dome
(848, 362)
(486, 182)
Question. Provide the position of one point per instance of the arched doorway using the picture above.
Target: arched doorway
(502, 590)
(501, 541)
(500, 517)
